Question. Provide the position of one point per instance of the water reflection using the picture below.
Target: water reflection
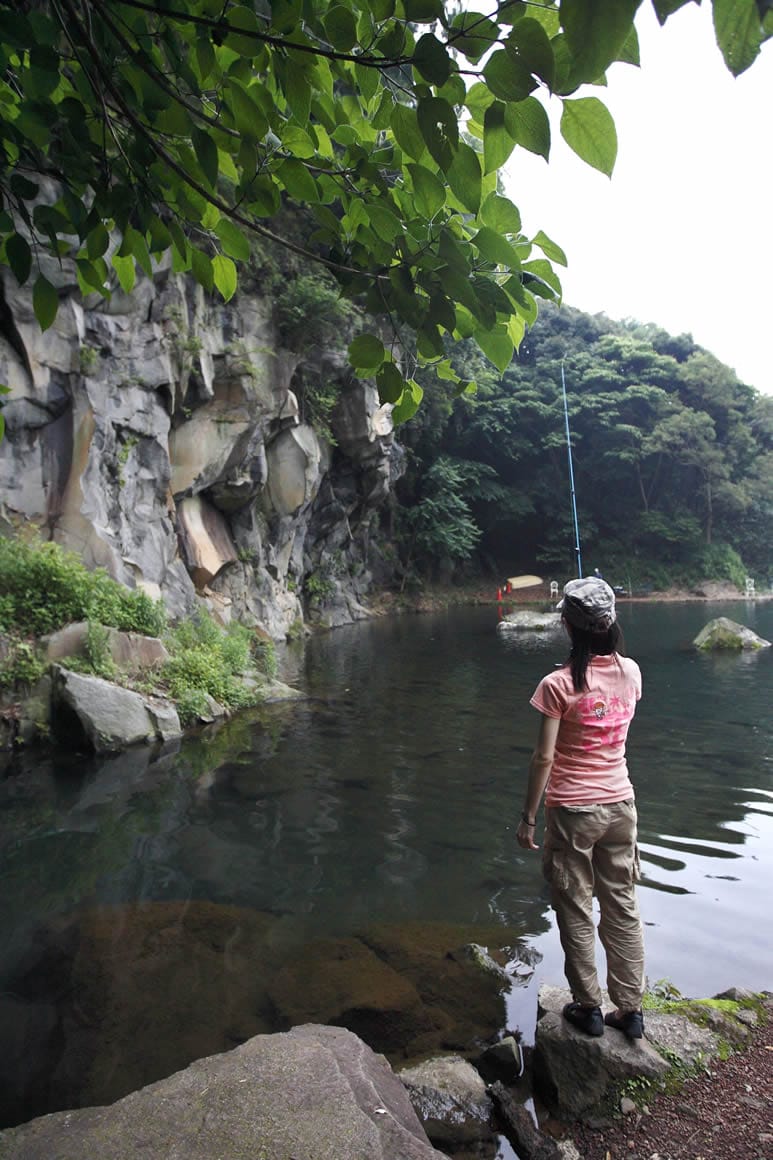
(389, 797)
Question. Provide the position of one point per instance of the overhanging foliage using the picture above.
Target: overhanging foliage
(133, 129)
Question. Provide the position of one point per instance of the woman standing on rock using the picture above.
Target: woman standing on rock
(590, 816)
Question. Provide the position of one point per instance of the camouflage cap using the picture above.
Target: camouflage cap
(588, 604)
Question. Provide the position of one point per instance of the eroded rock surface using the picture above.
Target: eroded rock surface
(161, 436)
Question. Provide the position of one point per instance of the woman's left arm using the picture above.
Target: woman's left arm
(539, 771)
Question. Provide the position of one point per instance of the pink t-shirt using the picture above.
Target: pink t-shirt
(589, 763)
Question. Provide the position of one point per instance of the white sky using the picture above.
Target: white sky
(682, 235)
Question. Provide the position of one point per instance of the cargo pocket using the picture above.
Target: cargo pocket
(554, 867)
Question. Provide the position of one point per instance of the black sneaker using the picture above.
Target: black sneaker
(588, 1019)
(631, 1024)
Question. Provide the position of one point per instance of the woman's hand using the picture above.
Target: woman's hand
(525, 835)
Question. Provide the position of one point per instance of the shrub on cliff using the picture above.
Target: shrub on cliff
(43, 587)
(207, 660)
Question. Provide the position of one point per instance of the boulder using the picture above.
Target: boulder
(451, 1100)
(106, 716)
(723, 633)
(528, 620)
(129, 650)
(310, 1092)
(575, 1072)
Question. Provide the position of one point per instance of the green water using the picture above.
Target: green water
(391, 795)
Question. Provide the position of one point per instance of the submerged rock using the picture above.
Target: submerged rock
(723, 633)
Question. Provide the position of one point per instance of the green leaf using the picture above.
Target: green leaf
(588, 129)
(98, 241)
(390, 383)
(385, 223)
(508, 77)
(206, 154)
(429, 191)
(139, 247)
(738, 31)
(366, 352)
(550, 249)
(439, 128)
(19, 257)
(497, 142)
(476, 42)
(500, 214)
(422, 11)
(445, 371)
(298, 142)
(408, 404)
(248, 118)
(341, 27)
(205, 56)
(497, 346)
(431, 59)
(541, 269)
(297, 180)
(233, 240)
(22, 187)
(224, 276)
(464, 177)
(494, 248)
(596, 31)
(528, 125)
(405, 127)
(298, 92)
(666, 8)
(45, 302)
(201, 264)
(531, 43)
(126, 271)
(629, 52)
(241, 17)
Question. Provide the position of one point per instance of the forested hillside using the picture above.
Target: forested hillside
(673, 461)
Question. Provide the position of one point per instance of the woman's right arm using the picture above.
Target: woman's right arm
(539, 771)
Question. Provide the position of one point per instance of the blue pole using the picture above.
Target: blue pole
(571, 476)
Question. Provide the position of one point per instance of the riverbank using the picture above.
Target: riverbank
(726, 1113)
(437, 597)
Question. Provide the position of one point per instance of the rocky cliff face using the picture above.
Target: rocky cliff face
(161, 436)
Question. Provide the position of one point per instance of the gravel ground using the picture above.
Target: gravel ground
(726, 1114)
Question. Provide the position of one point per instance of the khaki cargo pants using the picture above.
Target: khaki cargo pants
(592, 850)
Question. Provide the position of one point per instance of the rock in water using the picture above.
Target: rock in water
(723, 633)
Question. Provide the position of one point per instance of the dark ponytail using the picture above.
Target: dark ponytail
(586, 644)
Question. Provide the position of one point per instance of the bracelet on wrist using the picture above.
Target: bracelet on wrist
(526, 821)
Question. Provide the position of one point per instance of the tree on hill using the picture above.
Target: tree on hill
(135, 129)
(673, 456)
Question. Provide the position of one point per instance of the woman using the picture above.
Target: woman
(590, 816)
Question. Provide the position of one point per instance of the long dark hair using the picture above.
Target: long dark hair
(586, 644)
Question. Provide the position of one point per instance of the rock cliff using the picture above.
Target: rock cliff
(166, 437)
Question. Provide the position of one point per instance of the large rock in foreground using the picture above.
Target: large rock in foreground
(724, 633)
(311, 1092)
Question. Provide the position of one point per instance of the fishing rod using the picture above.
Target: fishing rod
(571, 476)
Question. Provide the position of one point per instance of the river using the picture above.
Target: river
(389, 797)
